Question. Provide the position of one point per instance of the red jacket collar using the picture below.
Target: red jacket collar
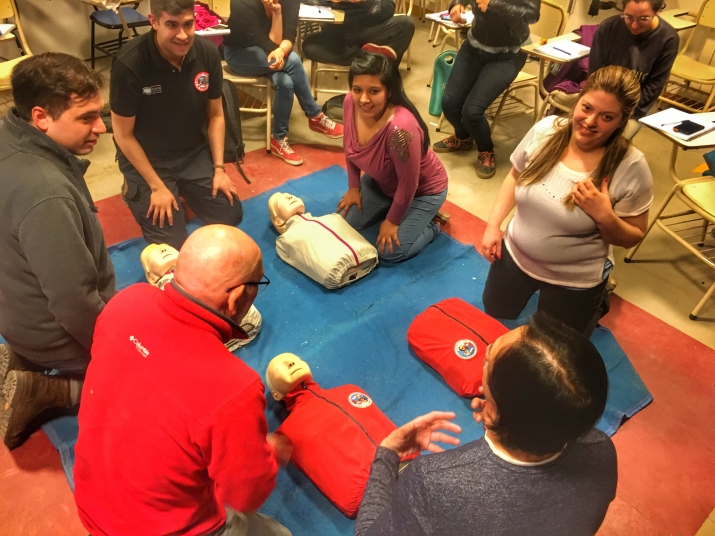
(184, 306)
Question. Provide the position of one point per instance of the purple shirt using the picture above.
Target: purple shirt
(393, 158)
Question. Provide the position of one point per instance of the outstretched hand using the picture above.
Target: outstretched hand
(421, 434)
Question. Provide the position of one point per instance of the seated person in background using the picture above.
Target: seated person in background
(403, 183)
(486, 64)
(261, 44)
(165, 87)
(541, 467)
(334, 432)
(159, 263)
(366, 22)
(579, 188)
(640, 41)
(55, 272)
(172, 426)
(325, 248)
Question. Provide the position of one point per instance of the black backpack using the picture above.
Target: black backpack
(233, 148)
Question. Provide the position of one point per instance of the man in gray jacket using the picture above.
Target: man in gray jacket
(55, 271)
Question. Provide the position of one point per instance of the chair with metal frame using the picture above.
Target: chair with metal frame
(552, 22)
(681, 94)
(257, 92)
(8, 10)
(130, 19)
(692, 228)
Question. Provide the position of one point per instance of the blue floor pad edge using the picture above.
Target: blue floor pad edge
(357, 335)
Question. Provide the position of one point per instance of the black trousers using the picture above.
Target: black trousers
(189, 176)
(508, 289)
(339, 43)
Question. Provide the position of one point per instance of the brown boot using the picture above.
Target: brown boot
(9, 360)
(27, 394)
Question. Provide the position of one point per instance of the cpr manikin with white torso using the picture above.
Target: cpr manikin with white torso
(159, 263)
(325, 248)
(335, 432)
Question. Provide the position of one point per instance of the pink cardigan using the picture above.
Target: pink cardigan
(393, 158)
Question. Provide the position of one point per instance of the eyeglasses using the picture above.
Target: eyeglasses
(630, 19)
(258, 284)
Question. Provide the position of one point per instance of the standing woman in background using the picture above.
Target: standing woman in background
(486, 64)
(579, 188)
(261, 44)
(403, 182)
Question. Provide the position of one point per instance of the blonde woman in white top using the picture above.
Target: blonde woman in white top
(579, 187)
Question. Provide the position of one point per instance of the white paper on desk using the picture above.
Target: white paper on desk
(667, 119)
(315, 12)
(468, 17)
(5, 28)
(564, 50)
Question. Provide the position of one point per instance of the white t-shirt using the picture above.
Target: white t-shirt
(560, 246)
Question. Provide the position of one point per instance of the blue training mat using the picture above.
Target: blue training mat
(357, 335)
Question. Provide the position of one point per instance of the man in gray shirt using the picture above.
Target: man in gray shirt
(541, 467)
(55, 272)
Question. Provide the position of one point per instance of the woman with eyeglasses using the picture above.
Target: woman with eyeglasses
(642, 42)
(579, 188)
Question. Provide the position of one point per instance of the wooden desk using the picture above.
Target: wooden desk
(449, 25)
(546, 58)
(677, 19)
(706, 141)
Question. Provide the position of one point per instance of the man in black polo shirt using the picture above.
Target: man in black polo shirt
(165, 86)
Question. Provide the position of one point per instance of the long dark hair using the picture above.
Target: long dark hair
(617, 81)
(368, 63)
(549, 387)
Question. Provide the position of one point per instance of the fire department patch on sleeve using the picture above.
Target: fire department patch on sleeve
(201, 81)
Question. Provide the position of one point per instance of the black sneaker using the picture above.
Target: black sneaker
(487, 165)
(452, 144)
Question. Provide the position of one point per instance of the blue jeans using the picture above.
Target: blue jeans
(417, 228)
(476, 80)
(289, 81)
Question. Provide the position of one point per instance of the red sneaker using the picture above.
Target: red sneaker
(326, 126)
(384, 50)
(282, 149)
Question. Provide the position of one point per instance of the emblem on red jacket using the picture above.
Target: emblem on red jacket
(465, 349)
(360, 400)
(201, 81)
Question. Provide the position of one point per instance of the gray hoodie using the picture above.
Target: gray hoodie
(55, 271)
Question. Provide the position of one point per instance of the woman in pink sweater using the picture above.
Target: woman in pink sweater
(403, 184)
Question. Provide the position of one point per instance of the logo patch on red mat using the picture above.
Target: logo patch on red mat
(201, 81)
(360, 400)
(465, 349)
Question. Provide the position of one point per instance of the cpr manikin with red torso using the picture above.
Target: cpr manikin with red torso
(325, 248)
(335, 432)
(159, 262)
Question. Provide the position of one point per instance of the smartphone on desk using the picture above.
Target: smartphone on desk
(688, 127)
(220, 26)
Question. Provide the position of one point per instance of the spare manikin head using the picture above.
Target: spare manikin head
(283, 206)
(158, 260)
(284, 373)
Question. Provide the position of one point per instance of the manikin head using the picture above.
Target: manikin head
(545, 385)
(282, 207)
(158, 260)
(59, 95)
(284, 373)
(220, 266)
